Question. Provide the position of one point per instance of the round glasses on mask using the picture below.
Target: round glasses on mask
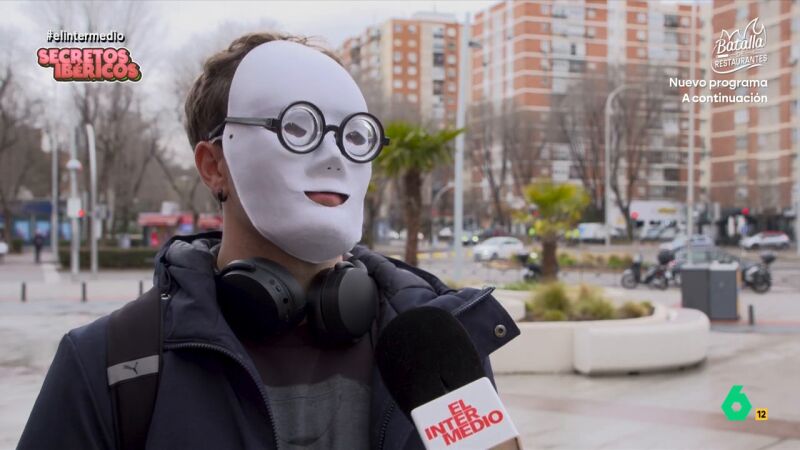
(301, 126)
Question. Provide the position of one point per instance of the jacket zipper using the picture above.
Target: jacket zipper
(456, 312)
(241, 363)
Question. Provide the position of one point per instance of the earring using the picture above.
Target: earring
(221, 196)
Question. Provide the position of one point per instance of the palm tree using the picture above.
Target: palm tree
(558, 209)
(412, 153)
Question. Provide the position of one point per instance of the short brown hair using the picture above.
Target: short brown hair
(207, 103)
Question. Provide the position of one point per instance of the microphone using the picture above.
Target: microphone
(430, 366)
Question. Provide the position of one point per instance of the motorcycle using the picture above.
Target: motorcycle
(656, 275)
(757, 276)
(532, 270)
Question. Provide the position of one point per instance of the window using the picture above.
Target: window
(591, 13)
(741, 142)
(451, 72)
(545, 46)
(412, 98)
(412, 28)
(438, 87)
(590, 32)
(684, 21)
(741, 116)
(741, 168)
(671, 20)
(451, 31)
(573, 49)
(438, 59)
(641, 52)
(412, 57)
(545, 63)
(397, 70)
(545, 9)
(398, 28)
(412, 43)
(412, 84)
(641, 35)
(451, 59)
(412, 70)
(398, 56)
(397, 83)
(451, 87)
(545, 27)
(398, 42)
(641, 18)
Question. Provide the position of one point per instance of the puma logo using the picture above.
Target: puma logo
(133, 368)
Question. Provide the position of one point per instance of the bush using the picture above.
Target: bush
(16, 245)
(112, 258)
(566, 260)
(591, 305)
(550, 296)
(616, 262)
(554, 315)
(631, 310)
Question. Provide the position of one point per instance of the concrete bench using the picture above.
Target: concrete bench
(680, 341)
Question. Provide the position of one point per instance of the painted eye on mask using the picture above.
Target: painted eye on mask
(356, 138)
(295, 130)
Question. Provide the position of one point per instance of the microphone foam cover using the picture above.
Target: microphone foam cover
(423, 354)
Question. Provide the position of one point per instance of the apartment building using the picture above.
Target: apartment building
(411, 62)
(755, 146)
(535, 55)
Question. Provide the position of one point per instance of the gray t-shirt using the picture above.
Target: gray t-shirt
(319, 396)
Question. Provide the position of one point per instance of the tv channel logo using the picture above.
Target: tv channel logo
(737, 397)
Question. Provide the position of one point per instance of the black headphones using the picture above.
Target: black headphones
(259, 297)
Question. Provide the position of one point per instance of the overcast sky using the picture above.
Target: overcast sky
(164, 35)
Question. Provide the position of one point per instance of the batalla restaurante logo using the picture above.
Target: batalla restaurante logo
(741, 49)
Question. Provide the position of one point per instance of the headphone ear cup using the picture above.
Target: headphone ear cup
(343, 302)
(259, 297)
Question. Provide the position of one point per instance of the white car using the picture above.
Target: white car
(499, 247)
(680, 241)
(777, 239)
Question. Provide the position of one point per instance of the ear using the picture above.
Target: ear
(211, 165)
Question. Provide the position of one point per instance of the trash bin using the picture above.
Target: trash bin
(724, 291)
(712, 289)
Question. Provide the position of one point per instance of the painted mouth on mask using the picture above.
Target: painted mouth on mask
(326, 198)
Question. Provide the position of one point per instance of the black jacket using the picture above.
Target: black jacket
(210, 394)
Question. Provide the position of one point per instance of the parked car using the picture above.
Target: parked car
(471, 237)
(500, 247)
(404, 235)
(775, 239)
(680, 241)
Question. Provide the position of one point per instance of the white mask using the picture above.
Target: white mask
(272, 182)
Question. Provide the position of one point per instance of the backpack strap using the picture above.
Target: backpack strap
(133, 364)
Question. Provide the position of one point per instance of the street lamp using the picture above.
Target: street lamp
(461, 113)
(434, 200)
(607, 160)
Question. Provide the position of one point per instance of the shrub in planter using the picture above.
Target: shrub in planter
(551, 296)
(16, 245)
(566, 260)
(590, 305)
(630, 310)
(113, 258)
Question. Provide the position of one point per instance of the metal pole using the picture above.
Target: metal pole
(690, 193)
(54, 198)
(461, 111)
(797, 214)
(73, 193)
(434, 200)
(93, 199)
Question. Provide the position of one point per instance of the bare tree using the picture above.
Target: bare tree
(638, 112)
(19, 142)
(483, 138)
(580, 121)
(524, 134)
